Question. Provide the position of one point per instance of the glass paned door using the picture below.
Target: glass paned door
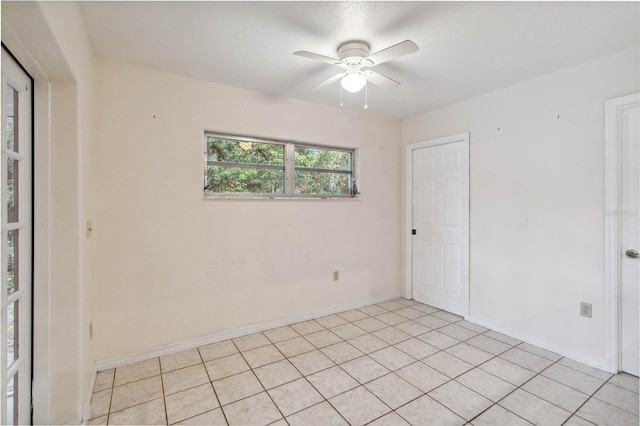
(17, 228)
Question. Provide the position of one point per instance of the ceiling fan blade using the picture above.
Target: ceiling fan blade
(395, 51)
(315, 56)
(381, 80)
(327, 82)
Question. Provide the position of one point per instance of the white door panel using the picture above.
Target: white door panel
(427, 252)
(452, 201)
(427, 208)
(629, 236)
(440, 217)
(452, 262)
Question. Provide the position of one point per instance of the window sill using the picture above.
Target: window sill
(253, 197)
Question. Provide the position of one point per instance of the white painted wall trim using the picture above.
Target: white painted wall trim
(119, 361)
(407, 292)
(542, 343)
(17, 47)
(86, 409)
(42, 252)
(613, 109)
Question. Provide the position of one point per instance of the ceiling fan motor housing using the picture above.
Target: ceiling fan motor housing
(354, 52)
(354, 58)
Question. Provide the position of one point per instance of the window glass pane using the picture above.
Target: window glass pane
(12, 261)
(12, 109)
(323, 183)
(12, 400)
(12, 190)
(316, 158)
(245, 180)
(236, 151)
(12, 332)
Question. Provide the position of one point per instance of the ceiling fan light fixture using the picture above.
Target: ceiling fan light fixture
(353, 57)
(353, 81)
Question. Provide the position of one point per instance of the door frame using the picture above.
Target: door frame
(408, 261)
(25, 124)
(42, 207)
(612, 187)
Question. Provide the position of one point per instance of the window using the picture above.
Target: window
(246, 167)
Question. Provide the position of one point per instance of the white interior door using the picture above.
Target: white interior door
(440, 223)
(629, 134)
(15, 294)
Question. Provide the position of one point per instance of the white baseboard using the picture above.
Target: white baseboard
(121, 360)
(598, 363)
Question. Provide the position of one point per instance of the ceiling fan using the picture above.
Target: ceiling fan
(354, 58)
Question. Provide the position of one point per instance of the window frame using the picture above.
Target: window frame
(289, 168)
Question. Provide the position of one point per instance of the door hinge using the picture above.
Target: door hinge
(413, 232)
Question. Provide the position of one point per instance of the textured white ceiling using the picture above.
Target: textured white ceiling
(466, 48)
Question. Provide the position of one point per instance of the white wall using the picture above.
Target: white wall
(50, 40)
(537, 206)
(172, 266)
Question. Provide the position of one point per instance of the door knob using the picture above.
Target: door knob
(632, 254)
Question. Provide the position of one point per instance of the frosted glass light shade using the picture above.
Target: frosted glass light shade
(353, 81)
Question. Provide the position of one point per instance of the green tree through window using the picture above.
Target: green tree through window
(244, 166)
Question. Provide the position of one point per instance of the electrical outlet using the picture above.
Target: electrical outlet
(336, 275)
(585, 309)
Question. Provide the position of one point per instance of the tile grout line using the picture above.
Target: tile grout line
(605, 402)
(575, 413)
(335, 365)
(364, 384)
(518, 388)
(608, 381)
(476, 366)
(258, 379)
(164, 397)
(224, 415)
(342, 369)
(583, 372)
(113, 385)
(589, 395)
(140, 403)
(571, 414)
(162, 384)
(311, 384)
(536, 374)
(451, 379)
(390, 371)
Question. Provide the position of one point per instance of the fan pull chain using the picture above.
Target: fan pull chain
(366, 95)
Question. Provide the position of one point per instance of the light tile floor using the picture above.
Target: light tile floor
(395, 363)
